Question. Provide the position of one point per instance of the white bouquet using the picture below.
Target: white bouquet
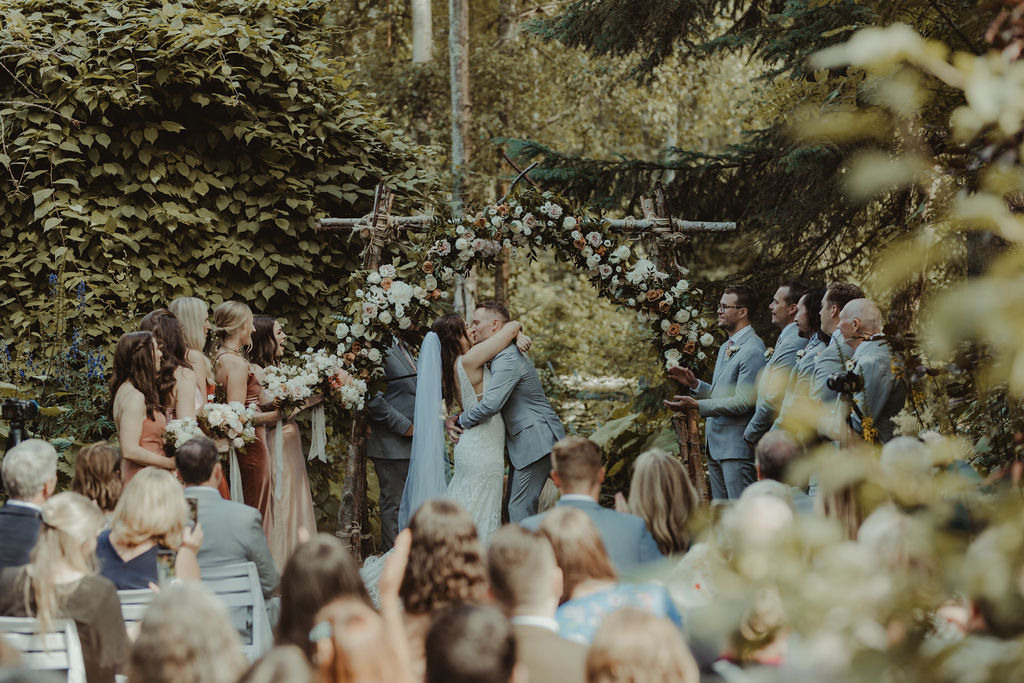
(232, 421)
(179, 431)
(334, 380)
(289, 387)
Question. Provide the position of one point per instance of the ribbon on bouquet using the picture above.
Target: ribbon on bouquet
(234, 476)
(278, 458)
(318, 438)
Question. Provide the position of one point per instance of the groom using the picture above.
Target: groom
(531, 426)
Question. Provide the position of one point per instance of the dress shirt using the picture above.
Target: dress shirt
(24, 504)
(548, 623)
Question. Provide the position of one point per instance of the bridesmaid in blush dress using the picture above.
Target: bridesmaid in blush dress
(233, 322)
(135, 404)
(291, 498)
(179, 385)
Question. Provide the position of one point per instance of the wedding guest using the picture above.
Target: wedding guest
(634, 645)
(662, 495)
(798, 390)
(61, 582)
(292, 500)
(234, 328)
(352, 645)
(577, 471)
(775, 452)
(151, 514)
(98, 476)
(181, 391)
(591, 590)
(194, 316)
(319, 571)
(472, 644)
(833, 359)
(728, 401)
(135, 404)
(29, 471)
(446, 566)
(282, 664)
(186, 636)
(526, 583)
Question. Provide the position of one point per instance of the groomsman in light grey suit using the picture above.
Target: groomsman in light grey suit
(391, 413)
(771, 387)
(728, 401)
(531, 425)
(835, 356)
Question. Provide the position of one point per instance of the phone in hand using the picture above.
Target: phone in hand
(193, 511)
(165, 558)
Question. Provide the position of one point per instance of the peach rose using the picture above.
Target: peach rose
(654, 294)
(664, 307)
(385, 284)
(503, 210)
(349, 358)
(674, 329)
(601, 250)
(427, 267)
(436, 294)
(690, 347)
(580, 243)
(357, 347)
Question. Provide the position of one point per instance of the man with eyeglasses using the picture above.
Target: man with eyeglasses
(728, 402)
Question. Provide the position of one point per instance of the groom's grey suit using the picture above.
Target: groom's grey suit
(531, 426)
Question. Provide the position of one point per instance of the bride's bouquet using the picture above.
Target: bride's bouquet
(179, 431)
(289, 387)
(232, 421)
(333, 380)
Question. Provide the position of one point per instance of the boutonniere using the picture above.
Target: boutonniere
(850, 365)
(801, 353)
(768, 352)
(729, 352)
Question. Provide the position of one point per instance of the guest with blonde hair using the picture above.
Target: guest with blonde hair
(662, 495)
(590, 588)
(186, 635)
(194, 316)
(634, 646)
(98, 475)
(151, 514)
(60, 582)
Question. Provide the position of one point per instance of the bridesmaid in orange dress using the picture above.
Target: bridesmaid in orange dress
(291, 497)
(180, 394)
(135, 404)
(233, 323)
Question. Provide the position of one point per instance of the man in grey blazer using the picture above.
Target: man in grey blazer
(391, 414)
(792, 416)
(531, 425)
(771, 386)
(578, 473)
(883, 394)
(835, 356)
(728, 401)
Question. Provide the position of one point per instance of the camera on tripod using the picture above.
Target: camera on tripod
(845, 383)
(17, 411)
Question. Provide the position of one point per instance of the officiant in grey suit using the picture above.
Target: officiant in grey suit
(531, 425)
(391, 413)
(728, 401)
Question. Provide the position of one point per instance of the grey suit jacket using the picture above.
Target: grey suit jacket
(883, 395)
(626, 538)
(233, 533)
(728, 402)
(771, 386)
(801, 378)
(391, 411)
(832, 360)
(531, 425)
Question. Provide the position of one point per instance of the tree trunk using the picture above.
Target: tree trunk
(508, 29)
(422, 32)
(458, 60)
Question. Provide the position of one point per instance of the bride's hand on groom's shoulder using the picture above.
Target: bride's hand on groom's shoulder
(451, 426)
(523, 342)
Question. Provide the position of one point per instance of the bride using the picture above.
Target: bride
(452, 372)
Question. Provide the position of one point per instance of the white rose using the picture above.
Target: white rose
(586, 251)
(387, 270)
(404, 323)
(576, 235)
(673, 354)
(430, 282)
(593, 260)
(373, 278)
(569, 223)
(682, 285)
(605, 270)
(384, 317)
(341, 331)
(665, 324)
(374, 356)
(622, 253)
(631, 302)
(459, 230)
(526, 231)
(358, 330)
(462, 244)
(706, 339)
(238, 442)
(669, 364)
(682, 315)
(701, 355)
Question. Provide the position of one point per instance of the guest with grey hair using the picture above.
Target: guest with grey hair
(29, 471)
(775, 452)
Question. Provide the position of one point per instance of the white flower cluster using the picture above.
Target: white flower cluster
(289, 386)
(388, 300)
(232, 421)
(644, 274)
(334, 380)
(181, 430)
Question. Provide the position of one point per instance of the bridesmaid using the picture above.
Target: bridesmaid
(179, 387)
(294, 509)
(135, 404)
(194, 316)
(233, 323)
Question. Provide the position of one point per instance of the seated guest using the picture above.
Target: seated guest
(319, 571)
(98, 476)
(60, 582)
(634, 645)
(527, 584)
(577, 471)
(472, 644)
(282, 664)
(590, 591)
(662, 495)
(774, 453)
(186, 636)
(151, 514)
(29, 472)
(446, 566)
(353, 645)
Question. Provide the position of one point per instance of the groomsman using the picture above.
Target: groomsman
(883, 394)
(798, 389)
(833, 359)
(771, 387)
(390, 441)
(728, 401)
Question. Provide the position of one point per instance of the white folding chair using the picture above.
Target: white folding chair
(238, 586)
(56, 650)
(134, 604)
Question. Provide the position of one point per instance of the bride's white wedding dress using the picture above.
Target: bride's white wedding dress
(478, 479)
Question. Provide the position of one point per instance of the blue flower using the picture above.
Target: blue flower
(80, 294)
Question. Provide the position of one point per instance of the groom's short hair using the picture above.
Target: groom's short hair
(497, 308)
(520, 565)
(577, 460)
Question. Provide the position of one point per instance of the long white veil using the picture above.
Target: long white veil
(426, 478)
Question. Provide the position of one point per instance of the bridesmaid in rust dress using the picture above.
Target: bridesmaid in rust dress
(233, 323)
(291, 497)
(135, 404)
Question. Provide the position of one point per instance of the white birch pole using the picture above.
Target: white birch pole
(422, 32)
(458, 62)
